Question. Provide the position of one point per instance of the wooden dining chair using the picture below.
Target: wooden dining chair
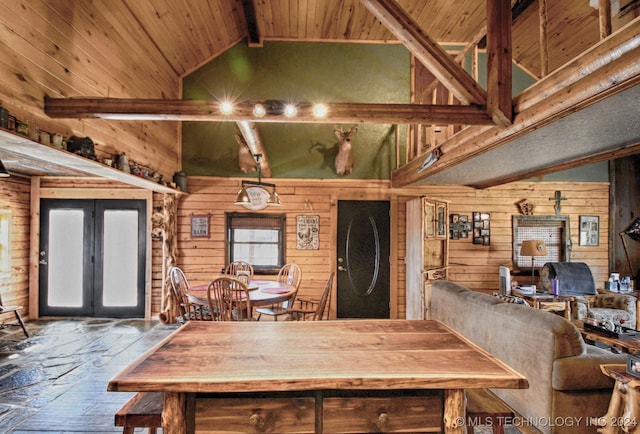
(16, 311)
(234, 267)
(289, 274)
(229, 300)
(307, 309)
(179, 286)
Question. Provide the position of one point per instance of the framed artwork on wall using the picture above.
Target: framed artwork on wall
(481, 228)
(200, 225)
(589, 230)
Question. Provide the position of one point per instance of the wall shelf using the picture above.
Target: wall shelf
(22, 155)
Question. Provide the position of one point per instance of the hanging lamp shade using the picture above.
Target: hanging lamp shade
(242, 197)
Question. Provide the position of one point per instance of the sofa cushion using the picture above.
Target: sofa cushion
(583, 373)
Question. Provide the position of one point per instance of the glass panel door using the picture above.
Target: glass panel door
(92, 258)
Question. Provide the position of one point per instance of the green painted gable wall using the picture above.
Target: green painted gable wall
(311, 72)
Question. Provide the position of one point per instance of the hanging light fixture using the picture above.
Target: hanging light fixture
(5, 174)
(244, 198)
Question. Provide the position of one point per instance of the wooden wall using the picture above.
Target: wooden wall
(473, 265)
(15, 196)
(57, 49)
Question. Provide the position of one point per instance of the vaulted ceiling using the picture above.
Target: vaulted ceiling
(180, 36)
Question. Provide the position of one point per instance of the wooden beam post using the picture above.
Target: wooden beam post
(428, 51)
(544, 46)
(499, 72)
(604, 17)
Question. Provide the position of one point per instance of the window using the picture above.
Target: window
(5, 242)
(258, 239)
(553, 230)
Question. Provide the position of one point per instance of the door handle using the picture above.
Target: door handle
(341, 268)
(43, 262)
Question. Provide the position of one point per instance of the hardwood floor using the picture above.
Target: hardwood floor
(55, 381)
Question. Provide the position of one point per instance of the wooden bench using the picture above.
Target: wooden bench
(143, 410)
(485, 408)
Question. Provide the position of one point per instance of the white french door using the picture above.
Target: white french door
(92, 258)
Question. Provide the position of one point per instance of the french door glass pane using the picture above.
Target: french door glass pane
(120, 268)
(66, 241)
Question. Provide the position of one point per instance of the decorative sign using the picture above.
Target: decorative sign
(259, 197)
(200, 226)
(589, 230)
(308, 227)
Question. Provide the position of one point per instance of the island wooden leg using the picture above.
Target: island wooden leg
(623, 414)
(454, 411)
(174, 414)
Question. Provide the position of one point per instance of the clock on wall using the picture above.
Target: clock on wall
(259, 197)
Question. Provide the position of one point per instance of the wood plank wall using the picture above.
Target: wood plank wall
(15, 196)
(57, 49)
(472, 265)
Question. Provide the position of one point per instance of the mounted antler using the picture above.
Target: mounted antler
(344, 159)
(246, 160)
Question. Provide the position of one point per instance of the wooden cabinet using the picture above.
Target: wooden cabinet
(321, 412)
(427, 252)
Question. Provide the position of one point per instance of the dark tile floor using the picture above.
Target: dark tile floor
(56, 380)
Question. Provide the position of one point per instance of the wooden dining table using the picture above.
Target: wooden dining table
(261, 293)
(316, 377)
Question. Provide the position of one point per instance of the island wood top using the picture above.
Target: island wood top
(204, 356)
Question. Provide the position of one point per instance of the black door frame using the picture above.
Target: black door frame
(93, 258)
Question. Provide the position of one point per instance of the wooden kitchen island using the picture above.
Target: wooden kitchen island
(315, 377)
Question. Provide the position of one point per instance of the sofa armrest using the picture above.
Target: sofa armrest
(583, 372)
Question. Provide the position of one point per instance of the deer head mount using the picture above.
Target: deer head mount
(246, 160)
(344, 159)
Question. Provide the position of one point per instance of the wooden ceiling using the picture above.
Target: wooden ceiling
(190, 32)
(143, 48)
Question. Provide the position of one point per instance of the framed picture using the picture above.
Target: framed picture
(633, 365)
(589, 230)
(200, 225)
(481, 228)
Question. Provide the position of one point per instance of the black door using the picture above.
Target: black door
(363, 259)
(92, 258)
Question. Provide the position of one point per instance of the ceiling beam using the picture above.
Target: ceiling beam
(253, 140)
(427, 51)
(209, 110)
(254, 37)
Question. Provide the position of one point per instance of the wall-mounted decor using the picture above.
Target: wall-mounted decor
(525, 207)
(200, 225)
(589, 230)
(307, 229)
(481, 228)
(459, 226)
